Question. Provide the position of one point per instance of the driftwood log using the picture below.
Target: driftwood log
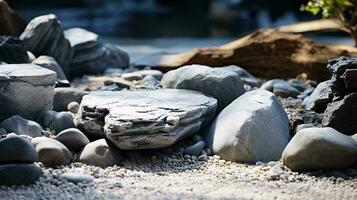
(266, 53)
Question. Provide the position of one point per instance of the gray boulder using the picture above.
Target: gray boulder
(21, 126)
(19, 174)
(53, 153)
(320, 148)
(73, 139)
(246, 77)
(58, 121)
(224, 85)
(15, 149)
(64, 96)
(252, 128)
(320, 97)
(145, 119)
(25, 90)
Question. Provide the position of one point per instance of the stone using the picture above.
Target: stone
(150, 82)
(75, 177)
(21, 126)
(132, 76)
(12, 50)
(194, 149)
(285, 90)
(146, 119)
(31, 56)
(58, 121)
(73, 107)
(19, 174)
(25, 90)
(221, 84)
(11, 22)
(35, 141)
(246, 77)
(150, 72)
(15, 149)
(252, 128)
(64, 96)
(73, 139)
(51, 64)
(269, 85)
(52, 153)
(354, 137)
(44, 36)
(100, 153)
(340, 115)
(81, 39)
(320, 97)
(297, 84)
(303, 126)
(320, 148)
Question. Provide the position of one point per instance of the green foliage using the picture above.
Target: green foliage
(328, 8)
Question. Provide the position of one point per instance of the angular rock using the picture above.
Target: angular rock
(25, 90)
(252, 128)
(11, 22)
(100, 153)
(44, 36)
(15, 149)
(145, 119)
(221, 84)
(284, 90)
(320, 148)
(12, 50)
(81, 39)
(53, 153)
(320, 97)
(21, 126)
(340, 115)
(64, 96)
(19, 174)
(73, 139)
(58, 121)
(51, 64)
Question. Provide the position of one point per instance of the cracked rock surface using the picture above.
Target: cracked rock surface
(145, 119)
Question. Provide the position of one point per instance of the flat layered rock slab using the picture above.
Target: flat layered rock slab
(145, 119)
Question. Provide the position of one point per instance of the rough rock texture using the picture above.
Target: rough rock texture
(44, 36)
(64, 96)
(341, 115)
(92, 56)
(224, 85)
(145, 119)
(15, 149)
(265, 53)
(12, 50)
(320, 148)
(25, 90)
(19, 174)
(320, 97)
(11, 22)
(252, 128)
(20, 126)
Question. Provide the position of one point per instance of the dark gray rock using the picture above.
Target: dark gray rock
(64, 96)
(340, 115)
(19, 174)
(12, 50)
(252, 128)
(75, 177)
(320, 148)
(145, 119)
(44, 36)
(194, 149)
(15, 149)
(100, 153)
(21, 126)
(73, 139)
(320, 97)
(51, 64)
(25, 90)
(58, 121)
(222, 84)
(246, 77)
(297, 84)
(284, 90)
(53, 153)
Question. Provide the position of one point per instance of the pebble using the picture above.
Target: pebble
(73, 107)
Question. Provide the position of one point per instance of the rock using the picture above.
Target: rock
(73, 139)
(150, 82)
(35, 141)
(195, 149)
(22, 126)
(285, 90)
(320, 97)
(252, 128)
(354, 137)
(303, 126)
(15, 149)
(58, 121)
(145, 119)
(11, 22)
(64, 96)
(12, 50)
(132, 76)
(92, 56)
(19, 174)
(44, 36)
(25, 90)
(100, 153)
(51, 64)
(53, 153)
(340, 115)
(297, 84)
(31, 56)
(150, 72)
(246, 77)
(221, 84)
(269, 85)
(73, 107)
(76, 177)
(320, 148)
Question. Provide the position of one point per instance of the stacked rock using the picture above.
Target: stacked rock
(92, 56)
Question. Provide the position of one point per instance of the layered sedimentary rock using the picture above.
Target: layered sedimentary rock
(145, 119)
